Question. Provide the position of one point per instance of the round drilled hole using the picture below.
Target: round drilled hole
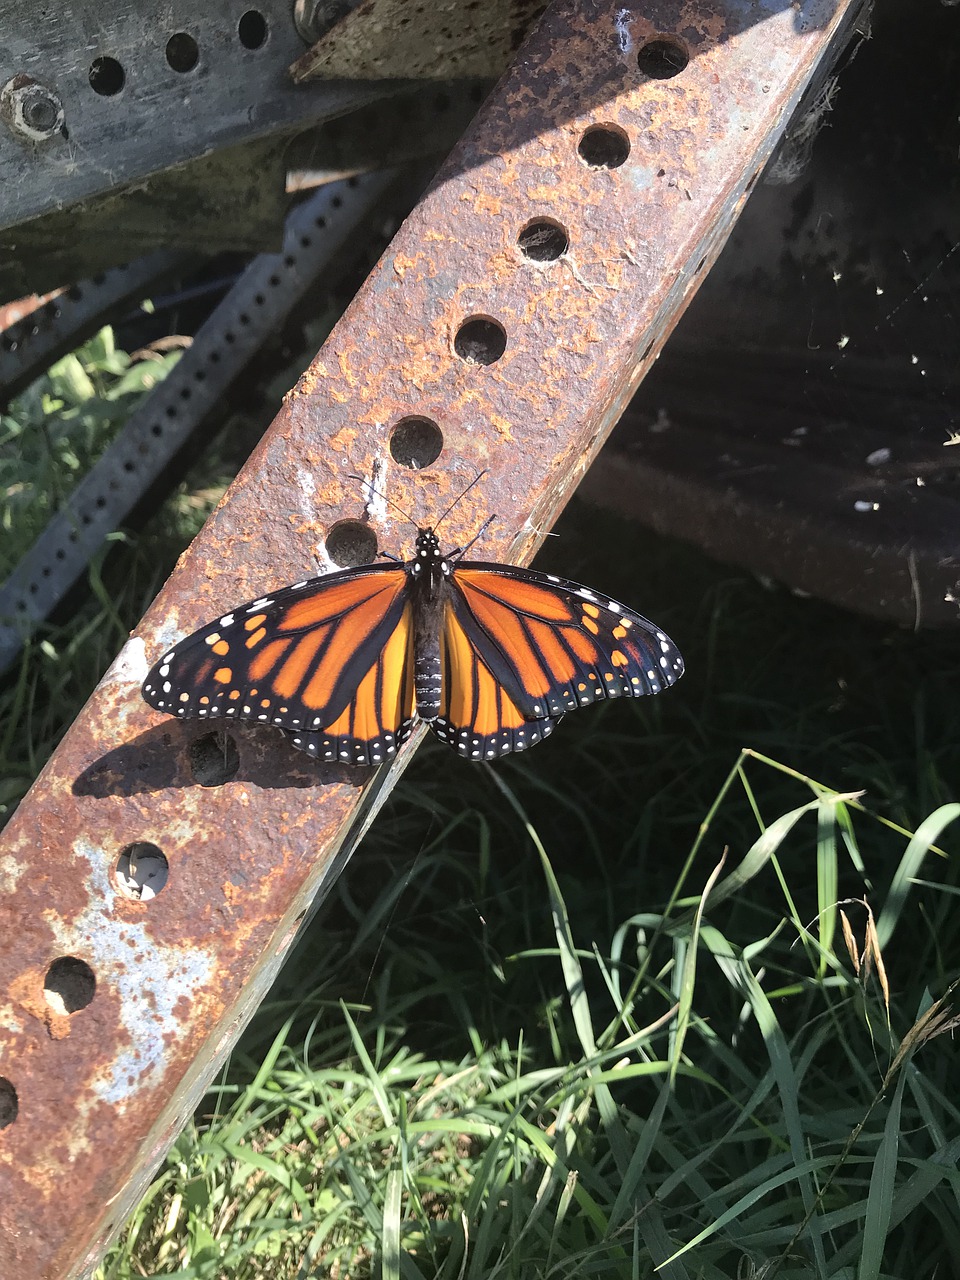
(662, 59)
(214, 759)
(69, 985)
(106, 77)
(480, 340)
(9, 1103)
(142, 871)
(252, 29)
(604, 146)
(351, 543)
(543, 240)
(182, 52)
(416, 442)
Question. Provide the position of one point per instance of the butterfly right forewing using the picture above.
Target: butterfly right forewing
(522, 648)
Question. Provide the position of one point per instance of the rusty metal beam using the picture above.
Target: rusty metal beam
(631, 137)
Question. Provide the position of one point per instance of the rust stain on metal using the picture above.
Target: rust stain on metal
(177, 976)
(395, 39)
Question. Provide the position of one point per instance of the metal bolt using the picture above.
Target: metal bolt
(31, 110)
(314, 18)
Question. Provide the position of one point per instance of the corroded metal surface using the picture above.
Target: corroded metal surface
(393, 39)
(100, 1091)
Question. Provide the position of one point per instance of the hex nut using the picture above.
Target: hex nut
(30, 110)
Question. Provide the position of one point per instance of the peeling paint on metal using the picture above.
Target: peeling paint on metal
(622, 23)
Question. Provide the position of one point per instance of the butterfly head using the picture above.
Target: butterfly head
(428, 562)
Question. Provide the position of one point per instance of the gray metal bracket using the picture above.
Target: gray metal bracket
(95, 97)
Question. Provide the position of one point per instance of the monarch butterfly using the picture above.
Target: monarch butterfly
(489, 655)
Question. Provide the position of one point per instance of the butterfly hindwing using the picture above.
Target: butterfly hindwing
(526, 647)
(330, 661)
(478, 717)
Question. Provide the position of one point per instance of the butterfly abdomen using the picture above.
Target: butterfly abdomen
(428, 586)
(426, 679)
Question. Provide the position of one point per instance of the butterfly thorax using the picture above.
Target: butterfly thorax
(428, 572)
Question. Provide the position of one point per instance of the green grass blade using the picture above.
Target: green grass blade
(920, 845)
(876, 1224)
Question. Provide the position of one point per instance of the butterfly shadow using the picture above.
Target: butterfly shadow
(181, 754)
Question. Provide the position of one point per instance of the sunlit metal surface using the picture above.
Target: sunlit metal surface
(524, 361)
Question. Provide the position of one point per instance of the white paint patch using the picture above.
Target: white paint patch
(149, 982)
(306, 482)
(130, 665)
(621, 22)
(11, 870)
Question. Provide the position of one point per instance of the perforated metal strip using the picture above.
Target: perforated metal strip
(61, 324)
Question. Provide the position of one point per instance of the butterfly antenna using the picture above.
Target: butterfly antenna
(460, 496)
(371, 487)
(462, 551)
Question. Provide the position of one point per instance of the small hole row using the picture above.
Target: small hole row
(107, 75)
(70, 984)
(482, 339)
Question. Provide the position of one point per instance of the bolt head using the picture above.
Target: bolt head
(30, 110)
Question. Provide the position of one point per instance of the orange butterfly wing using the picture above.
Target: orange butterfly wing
(520, 648)
(329, 660)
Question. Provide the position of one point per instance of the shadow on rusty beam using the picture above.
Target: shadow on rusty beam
(517, 310)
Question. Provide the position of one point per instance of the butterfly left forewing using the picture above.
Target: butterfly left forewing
(329, 661)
